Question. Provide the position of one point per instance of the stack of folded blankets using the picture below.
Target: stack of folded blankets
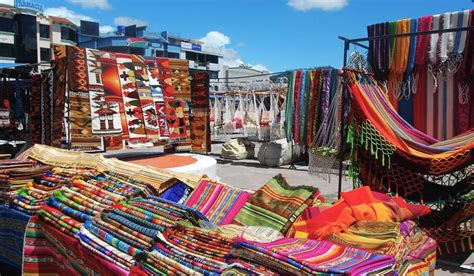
(30, 199)
(187, 250)
(15, 175)
(298, 256)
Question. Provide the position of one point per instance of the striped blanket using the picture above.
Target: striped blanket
(289, 255)
(276, 204)
(219, 203)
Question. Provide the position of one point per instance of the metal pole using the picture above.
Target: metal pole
(341, 131)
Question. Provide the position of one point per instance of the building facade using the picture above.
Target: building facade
(26, 35)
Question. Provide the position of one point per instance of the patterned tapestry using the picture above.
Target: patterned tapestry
(176, 111)
(59, 93)
(131, 100)
(46, 104)
(147, 102)
(35, 100)
(200, 131)
(105, 115)
(180, 79)
(157, 94)
(80, 133)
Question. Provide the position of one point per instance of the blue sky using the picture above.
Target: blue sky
(278, 34)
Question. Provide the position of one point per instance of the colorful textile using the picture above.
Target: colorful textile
(81, 124)
(200, 129)
(219, 203)
(178, 192)
(147, 101)
(131, 99)
(357, 205)
(313, 256)
(105, 113)
(180, 79)
(276, 204)
(12, 235)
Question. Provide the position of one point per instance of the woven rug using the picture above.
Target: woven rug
(276, 204)
(106, 118)
(59, 93)
(78, 77)
(158, 100)
(35, 100)
(81, 137)
(131, 100)
(46, 107)
(147, 103)
(180, 79)
(200, 130)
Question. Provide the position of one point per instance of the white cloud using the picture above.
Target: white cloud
(8, 2)
(69, 14)
(90, 4)
(127, 21)
(325, 5)
(259, 67)
(106, 29)
(215, 39)
(231, 58)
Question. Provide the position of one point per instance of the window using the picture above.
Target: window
(212, 59)
(191, 56)
(7, 25)
(213, 74)
(160, 53)
(173, 55)
(45, 54)
(7, 50)
(202, 58)
(44, 31)
(68, 34)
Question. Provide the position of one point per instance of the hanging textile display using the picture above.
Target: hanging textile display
(147, 101)
(105, 114)
(80, 130)
(312, 109)
(35, 128)
(158, 98)
(200, 132)
(59, 87)
(424, 71)
(46, 107)
(390, 155)
(173, 110)
(180, 79)
(131, 100)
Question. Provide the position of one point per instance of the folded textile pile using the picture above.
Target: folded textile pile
(124, 231)
(276, 204)
(297, 256)
(30, 199)
(358, 205)
(15, 175)
(413, 250)
(218, 202)
(84, 198)
(187, 250)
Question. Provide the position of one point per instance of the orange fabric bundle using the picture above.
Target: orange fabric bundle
(358, 205)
